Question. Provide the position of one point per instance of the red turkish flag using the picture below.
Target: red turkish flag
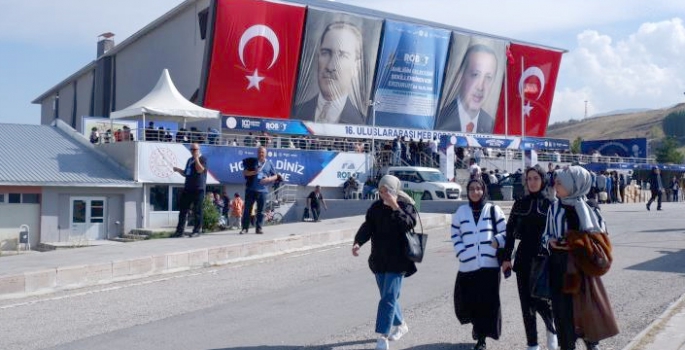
(534, 83)
(254, 58)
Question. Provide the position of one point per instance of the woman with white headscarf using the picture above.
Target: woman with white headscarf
(387, 221)
(571, 212)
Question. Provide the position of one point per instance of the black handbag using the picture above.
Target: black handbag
(416, 243)
(539, 277)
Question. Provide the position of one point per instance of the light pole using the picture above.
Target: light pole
(585, 110)
(373, 104)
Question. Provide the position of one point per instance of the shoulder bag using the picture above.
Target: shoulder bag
(539, 277)
(416, 242)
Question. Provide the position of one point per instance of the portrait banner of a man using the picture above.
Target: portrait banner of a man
(336, 67)
(473, 82)
(409, 76)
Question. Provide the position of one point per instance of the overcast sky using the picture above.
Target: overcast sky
(623, 54)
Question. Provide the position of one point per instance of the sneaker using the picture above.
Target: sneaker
(399, 332)
(536, 347)
(194, 234)
(259, 231)
(647, 207)
(552, 343)
(382, 344)
(243, 232)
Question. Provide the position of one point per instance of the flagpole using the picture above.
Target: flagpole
(523, 116)
(506, 114)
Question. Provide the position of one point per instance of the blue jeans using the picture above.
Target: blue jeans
(389, 313)
(252, 197)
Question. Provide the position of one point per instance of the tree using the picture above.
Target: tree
(674, 124)
(575, 146)
(668, 152)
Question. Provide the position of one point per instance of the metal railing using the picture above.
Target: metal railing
(318, 143)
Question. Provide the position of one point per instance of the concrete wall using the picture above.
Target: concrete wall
(15, 215)
(122, 207)
(339, 208)
(175, 45)
(123, 153)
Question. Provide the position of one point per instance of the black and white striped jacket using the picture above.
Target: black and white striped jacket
(472, 241)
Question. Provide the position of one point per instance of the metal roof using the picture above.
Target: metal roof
(43, 155)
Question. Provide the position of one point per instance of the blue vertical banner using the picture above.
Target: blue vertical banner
(409, 75)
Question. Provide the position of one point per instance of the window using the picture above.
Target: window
(159, 198)
(175, 198)
(97, 211)
(32, 198)
(2, 198)
(14, 198)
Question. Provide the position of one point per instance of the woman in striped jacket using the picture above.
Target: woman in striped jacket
(478, 230)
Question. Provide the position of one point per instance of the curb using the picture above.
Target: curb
(49, 280)
(637, 342)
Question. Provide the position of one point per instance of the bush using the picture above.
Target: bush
(211, 215)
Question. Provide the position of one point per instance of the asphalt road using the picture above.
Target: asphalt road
(326, 299)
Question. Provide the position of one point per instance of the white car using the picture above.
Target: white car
(431, 182)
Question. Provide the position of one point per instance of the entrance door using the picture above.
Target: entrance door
(87, 217)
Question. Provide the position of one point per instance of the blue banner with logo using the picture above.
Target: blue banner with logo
(535, 143)
(409, 75)
(636, 148)
(298, 167)
(279, 126)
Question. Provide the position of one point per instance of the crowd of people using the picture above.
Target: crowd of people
(548, 221)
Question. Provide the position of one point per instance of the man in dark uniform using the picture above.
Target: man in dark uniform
(193, 193)
(656, 186)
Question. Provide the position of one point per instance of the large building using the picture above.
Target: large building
(297, 68)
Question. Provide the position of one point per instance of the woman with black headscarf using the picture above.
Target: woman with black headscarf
(478, 230)
(527, 224)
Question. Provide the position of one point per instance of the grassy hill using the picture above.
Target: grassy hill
(618, 126)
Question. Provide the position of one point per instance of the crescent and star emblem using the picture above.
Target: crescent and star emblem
(531, 72)
(267, 33)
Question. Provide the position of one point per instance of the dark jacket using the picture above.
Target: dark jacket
(655, 182)
(386, 229)
(526, 222)
(448, 119)
(349, 115)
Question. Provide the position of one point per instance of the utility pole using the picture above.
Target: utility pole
(585, 110)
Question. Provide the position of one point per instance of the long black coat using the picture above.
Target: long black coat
(527, 222)
(386, 229)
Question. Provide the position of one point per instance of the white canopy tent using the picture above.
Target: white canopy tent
(164, 102)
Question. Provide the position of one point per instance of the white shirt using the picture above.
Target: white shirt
(434, 146)
(334, 111)
(465, 119)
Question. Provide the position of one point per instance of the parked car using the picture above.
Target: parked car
(514, 180)
(429, 181)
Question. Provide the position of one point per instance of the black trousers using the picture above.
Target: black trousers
(530, 306)
(655, 195)
(562, 303)
(188, 198)
(316, 211)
